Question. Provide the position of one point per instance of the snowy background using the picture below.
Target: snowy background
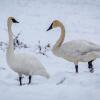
(81, 19)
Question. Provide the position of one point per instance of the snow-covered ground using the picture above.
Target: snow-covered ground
(82, 21)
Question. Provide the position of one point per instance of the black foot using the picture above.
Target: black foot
(76, 68)
(20, 80)
(90, 66)
(29, 79)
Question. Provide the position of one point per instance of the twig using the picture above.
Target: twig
(61, 81)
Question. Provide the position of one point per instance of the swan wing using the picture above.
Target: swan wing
(79, 47)
(28, 63)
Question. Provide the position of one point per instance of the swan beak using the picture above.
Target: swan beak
(15, 21)
(50, 27)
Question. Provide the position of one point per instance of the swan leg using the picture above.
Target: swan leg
(20, 80)
(90, 66)
(76, 68)
(30, 77)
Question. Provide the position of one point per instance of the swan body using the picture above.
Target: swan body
(76, 50)
(27, 64)
(22, 63)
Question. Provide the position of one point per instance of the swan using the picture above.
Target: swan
(22, 64)
(76, 50)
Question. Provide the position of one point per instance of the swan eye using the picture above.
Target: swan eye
(14, 20)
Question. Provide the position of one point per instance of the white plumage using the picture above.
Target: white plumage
(79, 51)
(22, 63)
(76, 50)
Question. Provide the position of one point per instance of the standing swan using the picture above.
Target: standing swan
(76, 50)
(22, 63)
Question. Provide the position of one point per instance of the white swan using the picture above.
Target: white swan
(76, 50)
(22, 63)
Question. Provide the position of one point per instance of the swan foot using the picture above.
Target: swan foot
(90, 66)
(30, 77)
(20, 80)
(76, 68)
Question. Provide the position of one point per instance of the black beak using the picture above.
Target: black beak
(15, 21)
(50, 27)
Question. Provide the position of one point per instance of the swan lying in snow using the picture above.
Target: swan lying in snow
(22, 63)
(76, 50)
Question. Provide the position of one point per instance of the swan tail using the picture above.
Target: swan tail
(44, 73)
(97, 54)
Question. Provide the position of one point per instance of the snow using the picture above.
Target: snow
(81, 19)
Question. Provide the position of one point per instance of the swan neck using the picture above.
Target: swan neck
(62, 36)
(10, 49)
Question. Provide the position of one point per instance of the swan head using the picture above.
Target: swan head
(55, 23)
(12, 20)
